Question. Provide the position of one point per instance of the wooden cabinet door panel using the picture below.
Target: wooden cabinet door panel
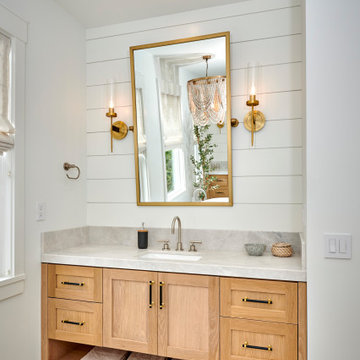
(188, 323)
(264, 300)
(129, 321)
(257, 340)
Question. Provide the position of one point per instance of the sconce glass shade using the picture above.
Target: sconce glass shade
(207, 99)
(252, 75)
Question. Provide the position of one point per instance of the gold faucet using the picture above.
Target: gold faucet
(179, 245)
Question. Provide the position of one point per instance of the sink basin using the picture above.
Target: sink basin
(170, 256)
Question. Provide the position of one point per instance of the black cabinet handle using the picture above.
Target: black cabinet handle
(247, 346)
(268, 301)
(72, 283)
(151, 303)
(161, 294)
(79, 323)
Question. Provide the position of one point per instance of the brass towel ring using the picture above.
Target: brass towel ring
(68, 166)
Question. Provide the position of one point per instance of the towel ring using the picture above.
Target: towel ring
(68, 166)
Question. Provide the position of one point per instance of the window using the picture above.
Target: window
(175, 173)
(13, 38)
(6, 145)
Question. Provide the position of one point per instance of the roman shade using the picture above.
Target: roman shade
(7, 129)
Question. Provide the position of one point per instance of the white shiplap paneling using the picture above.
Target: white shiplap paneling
(259, 217)
(268, 178)
(253, 26)
(264, 162)
(247, 190)
(111, 167)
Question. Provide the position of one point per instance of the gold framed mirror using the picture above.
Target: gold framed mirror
(182, 121)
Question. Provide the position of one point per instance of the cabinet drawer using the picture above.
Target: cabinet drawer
(75, 282)
(259, 299)
(250, 340)
(75, 321)
(221, 180)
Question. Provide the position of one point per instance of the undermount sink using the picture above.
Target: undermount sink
(170, 256)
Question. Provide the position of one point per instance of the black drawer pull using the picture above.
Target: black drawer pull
(247, 346)
(268, 301)
(151, 303)
(78, 323)
(72, 283)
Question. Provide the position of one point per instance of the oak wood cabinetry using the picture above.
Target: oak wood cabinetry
(76, 321)
(243, 339)
(188, 320)
(264, 300)
(75, 282)
(179, 316)
(222, 187)
(172, 315)
(130, 318)
(259, 319)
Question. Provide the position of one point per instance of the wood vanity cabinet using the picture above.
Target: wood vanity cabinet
(180, 316)
(171, 315)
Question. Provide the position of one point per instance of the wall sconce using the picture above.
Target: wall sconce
(254, 120)
(118, 129)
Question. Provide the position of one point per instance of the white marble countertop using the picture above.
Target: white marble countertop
(218, 263)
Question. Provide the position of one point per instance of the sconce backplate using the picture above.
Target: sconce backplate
(122, 132)
(259, 120)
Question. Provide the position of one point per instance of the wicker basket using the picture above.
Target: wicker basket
(282, 249)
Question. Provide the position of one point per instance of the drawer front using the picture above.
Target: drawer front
(250, 340)
(221, 180)
(221, 192)
(75, 321)
(259, 299)
(75, 282)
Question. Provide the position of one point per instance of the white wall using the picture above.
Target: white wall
(268, 178)
(333, 150)
(55, 132)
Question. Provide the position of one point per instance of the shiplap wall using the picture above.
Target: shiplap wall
(268, 179)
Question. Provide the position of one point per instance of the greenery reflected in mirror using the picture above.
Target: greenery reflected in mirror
(181, 99)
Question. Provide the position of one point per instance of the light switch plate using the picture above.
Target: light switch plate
(40, 211)
(337, 246)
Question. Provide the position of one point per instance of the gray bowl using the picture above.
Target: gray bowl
(255, 249)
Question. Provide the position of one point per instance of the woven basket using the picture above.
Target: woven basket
(282, 249)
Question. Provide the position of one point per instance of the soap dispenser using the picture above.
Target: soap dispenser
(143, 238)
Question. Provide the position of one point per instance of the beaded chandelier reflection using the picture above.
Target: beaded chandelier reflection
(207, 98)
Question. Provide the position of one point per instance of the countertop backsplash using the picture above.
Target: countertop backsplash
(212, 240)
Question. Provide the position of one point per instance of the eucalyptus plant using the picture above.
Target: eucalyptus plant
(202, 165)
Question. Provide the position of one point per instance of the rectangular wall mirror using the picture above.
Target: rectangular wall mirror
(181, 111)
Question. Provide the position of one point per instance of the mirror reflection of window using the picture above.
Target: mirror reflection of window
(175, 180)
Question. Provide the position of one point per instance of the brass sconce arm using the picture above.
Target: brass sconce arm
(254, 120)
(118, 129)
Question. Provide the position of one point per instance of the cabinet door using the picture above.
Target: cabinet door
(130, 310)
(188, 320)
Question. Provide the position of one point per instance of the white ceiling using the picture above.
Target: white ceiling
(94, 13)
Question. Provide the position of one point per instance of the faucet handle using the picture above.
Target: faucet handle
(192, 245)
(166, 244)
